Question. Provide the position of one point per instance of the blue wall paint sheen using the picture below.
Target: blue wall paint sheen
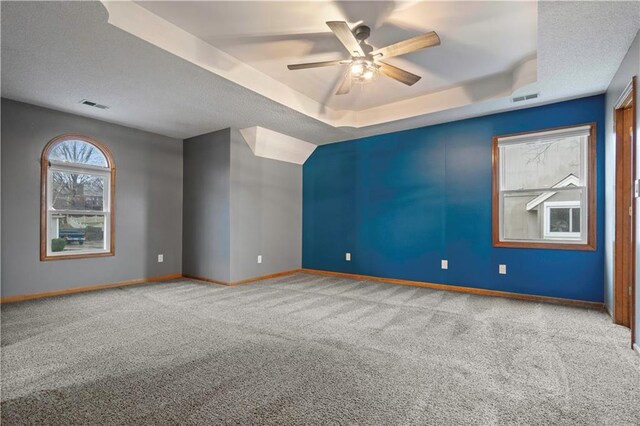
(401, 202)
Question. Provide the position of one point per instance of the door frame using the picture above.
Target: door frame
(624, 298)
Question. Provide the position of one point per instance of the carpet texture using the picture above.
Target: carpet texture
(309, 349)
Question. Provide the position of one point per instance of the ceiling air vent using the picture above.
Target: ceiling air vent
(93, 104)
(525, 97)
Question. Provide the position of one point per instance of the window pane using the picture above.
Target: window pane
(76, 233)
(518, 222)
(77, 191)
(543, 164)
(79, 152)
(575, 221)
(559, 220)
(524, 218)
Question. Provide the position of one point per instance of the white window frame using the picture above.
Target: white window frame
(104, 172)
(547, 220)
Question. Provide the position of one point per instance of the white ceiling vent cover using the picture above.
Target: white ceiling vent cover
(93, 104)
(525, 97)
(277, 146)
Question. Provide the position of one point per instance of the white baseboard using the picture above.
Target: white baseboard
(636, 348)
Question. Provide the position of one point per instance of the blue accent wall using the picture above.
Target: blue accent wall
(401, 202)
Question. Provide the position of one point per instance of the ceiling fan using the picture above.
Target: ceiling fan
(366, 63)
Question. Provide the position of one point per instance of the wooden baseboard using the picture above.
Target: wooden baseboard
(245, 281)
(461, 289)
(22, 297)
(204, 279)
(266, 277)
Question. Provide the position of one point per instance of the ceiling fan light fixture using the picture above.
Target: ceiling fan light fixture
(358, 68)
(363, 71)
(369, 74)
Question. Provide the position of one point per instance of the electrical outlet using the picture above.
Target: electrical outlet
(259, 258)
(444, 264)
(160, 258)
(347, 257)
(502, 269)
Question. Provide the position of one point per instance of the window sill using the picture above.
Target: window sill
(77, 256)
(546, 246)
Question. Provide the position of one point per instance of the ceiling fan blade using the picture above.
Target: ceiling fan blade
(345, 86)
(346, 37)
(316, 64)
(399, 74)
(410, 45)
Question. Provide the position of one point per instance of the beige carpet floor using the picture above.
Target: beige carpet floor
(308, 349)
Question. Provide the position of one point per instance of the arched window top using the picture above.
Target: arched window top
(79, 150)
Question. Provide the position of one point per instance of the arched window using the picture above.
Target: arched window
(77, 193)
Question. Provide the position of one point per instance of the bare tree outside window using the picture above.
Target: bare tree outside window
(78, 152)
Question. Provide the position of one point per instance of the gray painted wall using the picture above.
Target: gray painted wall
(206, 229)
(266, 213)
(630, 67)
(0, 206)
(238, 206)
(148, 202)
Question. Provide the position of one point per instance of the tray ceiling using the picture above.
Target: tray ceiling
(479, 40)
(190, 29)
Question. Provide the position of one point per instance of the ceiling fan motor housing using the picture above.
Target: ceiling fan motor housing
(362, 32)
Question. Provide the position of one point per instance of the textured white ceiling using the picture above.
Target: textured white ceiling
(479, 39)
(55, 54)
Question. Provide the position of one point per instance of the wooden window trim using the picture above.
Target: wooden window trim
(590, 245)
(44, 169)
